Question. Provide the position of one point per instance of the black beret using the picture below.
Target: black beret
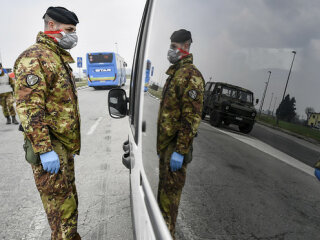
(181, 36)
(62, 15)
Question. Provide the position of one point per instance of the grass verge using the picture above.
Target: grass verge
(81, 83)
(157, 93)
(291, 127)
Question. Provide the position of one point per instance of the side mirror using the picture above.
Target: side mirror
(218, 90)
(257, 101)
(117, 103)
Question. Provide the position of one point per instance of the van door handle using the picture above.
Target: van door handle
(126, 146)
(126, 160)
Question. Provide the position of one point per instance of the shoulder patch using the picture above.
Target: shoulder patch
(193, 94)
(32, 80)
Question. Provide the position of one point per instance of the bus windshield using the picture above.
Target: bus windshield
(101, 58)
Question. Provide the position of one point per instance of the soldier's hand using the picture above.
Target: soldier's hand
(176, 161)
(317, 173)
(50, 162)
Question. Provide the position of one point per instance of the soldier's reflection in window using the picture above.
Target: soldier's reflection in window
(178, 121)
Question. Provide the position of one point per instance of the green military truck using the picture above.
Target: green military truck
(229, 104)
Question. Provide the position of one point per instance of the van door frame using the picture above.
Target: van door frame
(148, 222)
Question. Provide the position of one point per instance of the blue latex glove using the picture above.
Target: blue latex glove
(317, 173)
(176, 161)
(50, 162)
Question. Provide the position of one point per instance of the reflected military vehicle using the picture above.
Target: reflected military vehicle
(229, 104)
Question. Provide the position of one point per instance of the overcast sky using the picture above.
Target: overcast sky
(102, 24)
(233, 41)
(240, 41)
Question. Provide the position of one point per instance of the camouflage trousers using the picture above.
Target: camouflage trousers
(7, 101)
(59, 195)
(170, 188)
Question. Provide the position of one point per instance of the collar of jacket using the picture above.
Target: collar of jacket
(52, 45)
(173, 68)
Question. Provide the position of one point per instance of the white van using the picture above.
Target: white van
(147, 220)
(254, 186)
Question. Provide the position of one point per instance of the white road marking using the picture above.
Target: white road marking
(269, 150)
(153, 96)
(94, 126)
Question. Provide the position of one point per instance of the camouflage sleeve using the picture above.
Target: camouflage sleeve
(30, 91)
(191, 108)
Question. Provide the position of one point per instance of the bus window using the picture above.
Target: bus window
(148, 65)
(101, 58)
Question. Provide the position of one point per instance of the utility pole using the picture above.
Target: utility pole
(285, 89)
(270, 104)
(264, 93)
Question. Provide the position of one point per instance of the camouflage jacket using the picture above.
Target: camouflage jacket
(47, 102)
(181, 106)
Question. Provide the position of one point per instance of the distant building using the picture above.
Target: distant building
(314, 120)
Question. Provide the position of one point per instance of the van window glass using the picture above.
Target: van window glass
(251, 150)
(135, 82)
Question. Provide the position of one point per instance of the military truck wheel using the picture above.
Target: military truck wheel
(246, 128)
(226, 122)
(215, 119)
(203, 115)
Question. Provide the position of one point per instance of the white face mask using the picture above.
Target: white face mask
(173, 55)
(68, 40)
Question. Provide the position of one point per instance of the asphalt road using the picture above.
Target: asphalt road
(300, 149)
(239, 187)
(304, 151)
(102, 181)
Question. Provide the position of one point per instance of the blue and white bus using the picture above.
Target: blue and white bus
(105, 69)
(147, 79)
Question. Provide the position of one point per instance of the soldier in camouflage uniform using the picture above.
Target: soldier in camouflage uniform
(6, 98)
(47, 105)
(178, 121)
